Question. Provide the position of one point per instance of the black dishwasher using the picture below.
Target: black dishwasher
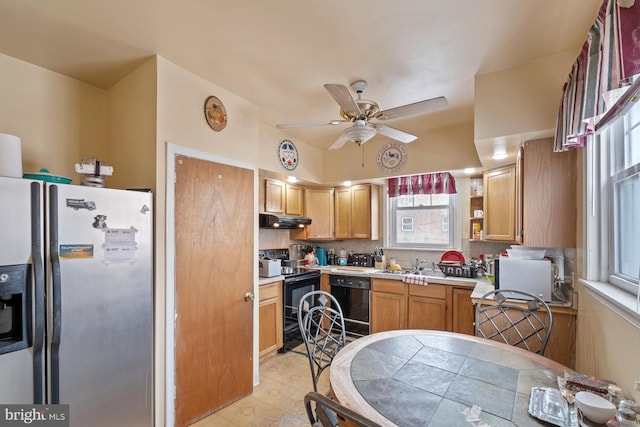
(353, 295)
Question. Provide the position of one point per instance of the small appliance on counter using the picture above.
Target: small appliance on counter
(321, 254)
(269, 267)
(534, 276)
(361, 260)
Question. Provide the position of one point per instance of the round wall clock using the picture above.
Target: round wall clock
(391, 157)
(288, 155)
(215, 113)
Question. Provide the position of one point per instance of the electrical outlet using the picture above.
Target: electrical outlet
(637, 385)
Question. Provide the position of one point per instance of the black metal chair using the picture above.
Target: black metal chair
(322, 328)
(523, 320)
(329, 413)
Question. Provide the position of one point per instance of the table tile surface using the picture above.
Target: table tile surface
(417, 380)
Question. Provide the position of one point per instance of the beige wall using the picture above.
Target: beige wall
(444, 149)
(521, 99)
(132, 129)
(607, 345)
(310, 158)
(59, 120)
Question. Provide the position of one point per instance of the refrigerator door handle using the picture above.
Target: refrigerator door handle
(39, 304)
(56, 296)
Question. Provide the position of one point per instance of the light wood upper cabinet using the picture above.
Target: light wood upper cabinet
(500, 204)
(283, 198)
(343, 213)
(274, 196)
(357, 212)
(294, 201)
(547, 206)
(319, 206)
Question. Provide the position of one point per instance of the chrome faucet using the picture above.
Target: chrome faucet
(419, 263)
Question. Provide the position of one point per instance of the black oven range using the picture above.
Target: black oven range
(294, 286)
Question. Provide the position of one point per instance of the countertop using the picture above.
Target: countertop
(481, 285)
(434, 276)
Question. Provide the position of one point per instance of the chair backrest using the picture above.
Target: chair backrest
(329, 413)
(322, 328)
(514, 317)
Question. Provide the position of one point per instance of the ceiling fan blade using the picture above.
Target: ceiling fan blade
(420, 107)
(342, 139)
(309, 124)
(393, 133)
(344, 99)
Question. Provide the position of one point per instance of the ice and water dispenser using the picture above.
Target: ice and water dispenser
(15, 308)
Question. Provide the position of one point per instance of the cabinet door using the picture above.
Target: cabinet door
(388, 312)
(268, 336)
(519, 195)
(270, 318)
(463, 311)
(319, 206)
(549, 196)
(500, 204)
(294, 202)
(274, 196)
(343, 213)
(427, 313)
(362, 213)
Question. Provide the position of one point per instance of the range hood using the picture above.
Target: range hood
(283, 222)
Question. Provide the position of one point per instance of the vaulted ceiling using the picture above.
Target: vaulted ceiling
(278, 54)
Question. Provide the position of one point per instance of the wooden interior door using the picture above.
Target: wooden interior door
(214, 270)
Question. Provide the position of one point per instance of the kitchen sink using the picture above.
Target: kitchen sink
(425, 272)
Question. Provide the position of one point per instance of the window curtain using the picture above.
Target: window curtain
(609, 58)
(432, 183)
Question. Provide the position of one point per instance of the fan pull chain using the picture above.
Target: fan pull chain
(362, 155)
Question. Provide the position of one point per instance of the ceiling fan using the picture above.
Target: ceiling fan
(361, 111)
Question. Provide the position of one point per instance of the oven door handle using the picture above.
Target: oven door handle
(296, 279)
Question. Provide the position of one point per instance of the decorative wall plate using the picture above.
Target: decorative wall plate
(391, 157)
(288, 155)
(215, 113)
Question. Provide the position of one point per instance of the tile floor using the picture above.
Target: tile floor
(277, 401)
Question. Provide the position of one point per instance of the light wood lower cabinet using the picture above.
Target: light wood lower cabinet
(561, 346)
(464, 311)
(388, 305)
(270, 318)
(397, 305)
(428, 307)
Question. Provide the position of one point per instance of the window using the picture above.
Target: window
(616, 159)
(421, 221)
(624, 183)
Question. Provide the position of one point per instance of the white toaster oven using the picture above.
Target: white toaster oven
(269, 267)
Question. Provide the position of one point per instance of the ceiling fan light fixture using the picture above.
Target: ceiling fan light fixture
(360, 134)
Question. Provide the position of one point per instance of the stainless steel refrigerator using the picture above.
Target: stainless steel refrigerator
(76, 295)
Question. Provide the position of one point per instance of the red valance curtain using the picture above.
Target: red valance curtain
(609, 58)
(432, 183)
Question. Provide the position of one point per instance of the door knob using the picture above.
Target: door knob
(249, 296)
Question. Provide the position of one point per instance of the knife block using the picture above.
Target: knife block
(380, 262)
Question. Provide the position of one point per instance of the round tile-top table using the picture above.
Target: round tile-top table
(421, 377)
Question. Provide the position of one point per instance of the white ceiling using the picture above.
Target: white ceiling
(278, 54)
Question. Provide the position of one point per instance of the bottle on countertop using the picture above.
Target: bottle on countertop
(342, 259)
(614, 394)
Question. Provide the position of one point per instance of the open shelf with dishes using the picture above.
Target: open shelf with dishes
(476, 213)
